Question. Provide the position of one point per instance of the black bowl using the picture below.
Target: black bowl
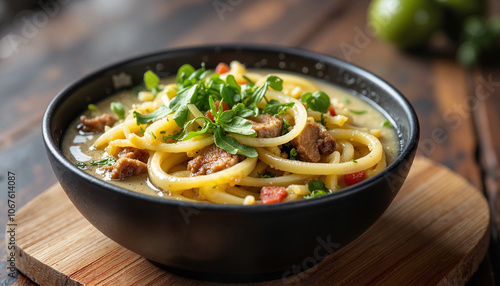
(224, 242)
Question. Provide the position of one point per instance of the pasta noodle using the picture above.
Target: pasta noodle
(259, 169)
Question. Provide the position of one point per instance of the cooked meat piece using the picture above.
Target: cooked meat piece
(212, 159)
(267, 125)
(96, 124)
(133, 153)
(313, 142)
(125, 167)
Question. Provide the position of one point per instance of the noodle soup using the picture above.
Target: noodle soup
(233, 137)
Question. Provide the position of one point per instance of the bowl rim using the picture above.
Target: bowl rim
(404, 155)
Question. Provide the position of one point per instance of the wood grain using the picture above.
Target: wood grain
(435, 232)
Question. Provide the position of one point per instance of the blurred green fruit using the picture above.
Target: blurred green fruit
(405, 23)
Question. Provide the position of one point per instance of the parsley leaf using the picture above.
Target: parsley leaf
(357, 111)
(238, 125)
(318, 101)
(275, 107)
(104, 162)
(81, 164)
(274, 82)
(151, 80)
(117, 108)
(231, 145)
(93, 107)
(159, 113)
(293, 154)
(180, 101)
(266, 174)
(285, 128)
(317, 188)
(386, 123)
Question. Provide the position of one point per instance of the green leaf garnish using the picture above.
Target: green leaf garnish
(347, 100)
(266, 174)
(81, 164)
(354, 161)
(293, 154)
(231, 145)
(285, 128)
(117, 108)
(274, 82)
(317, 188)
(386, 123)
(275, 107)
(318, 101)
(93, 107)
(104, 162)
(159, 113)
(357, 111)
(151, 80)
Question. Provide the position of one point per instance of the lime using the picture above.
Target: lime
(405, 23)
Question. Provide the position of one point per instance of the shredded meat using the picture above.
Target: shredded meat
(133, 153)
(212, 159)
(125, 167)
(96, 124)
(267, 125)
(313, 142)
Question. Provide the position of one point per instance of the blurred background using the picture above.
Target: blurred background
(444, 63)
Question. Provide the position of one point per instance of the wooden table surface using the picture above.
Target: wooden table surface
(47, 46)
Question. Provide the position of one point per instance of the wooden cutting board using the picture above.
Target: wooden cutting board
(435, 232)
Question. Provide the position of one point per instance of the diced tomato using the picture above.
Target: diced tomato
(272, 194)
(217, 103)
(332, 110)
(354, 178)
(222, 68)
(209, 115)
(224, 106)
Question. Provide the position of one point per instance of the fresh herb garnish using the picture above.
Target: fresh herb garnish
(159, 113)
(386, 123)
(357, 111)
(347, 100)
(151, 80)
(354, 161)
(285, 128)
(81, 164)
(276, 108)
(231, 145)
(142, 130)
(266, 174)
(104, 162)
(317, 188)
(274, 82)
(322, 120)
(93, 107)
(293, 154)
(318, 101)
(193, 88)
(152, 134)
(117, 108)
